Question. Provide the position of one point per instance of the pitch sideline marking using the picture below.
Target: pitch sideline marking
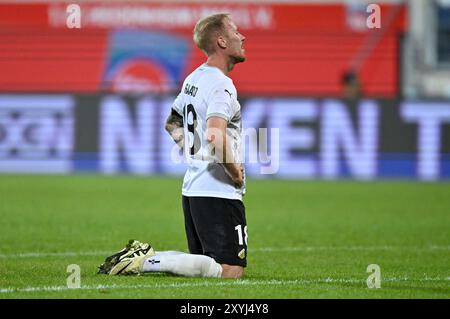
(262, 249)
(244, 282)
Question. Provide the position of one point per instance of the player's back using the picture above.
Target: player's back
(207, 92)
(195, 97)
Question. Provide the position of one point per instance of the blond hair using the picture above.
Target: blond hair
(206, 29)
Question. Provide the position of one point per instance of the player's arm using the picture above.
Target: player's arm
(174, 126)
(216, 135)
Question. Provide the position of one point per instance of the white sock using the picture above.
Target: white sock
(168, 252)
(183, 264)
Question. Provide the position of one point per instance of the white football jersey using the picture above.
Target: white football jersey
(208, 92)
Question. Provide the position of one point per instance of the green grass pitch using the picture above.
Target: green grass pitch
(307, 239)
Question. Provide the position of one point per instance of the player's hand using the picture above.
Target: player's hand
(239, 179)
(236, 173)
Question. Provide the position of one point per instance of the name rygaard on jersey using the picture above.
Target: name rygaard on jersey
(207, 92)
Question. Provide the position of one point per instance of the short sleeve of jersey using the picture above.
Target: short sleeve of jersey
(220, 102)
(178, 105)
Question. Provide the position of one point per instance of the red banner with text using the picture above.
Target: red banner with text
(292, 49)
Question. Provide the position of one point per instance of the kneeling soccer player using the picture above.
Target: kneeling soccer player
(208, 114)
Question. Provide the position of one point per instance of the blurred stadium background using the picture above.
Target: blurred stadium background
(350, 101)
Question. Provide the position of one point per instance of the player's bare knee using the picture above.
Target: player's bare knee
(231, 271)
